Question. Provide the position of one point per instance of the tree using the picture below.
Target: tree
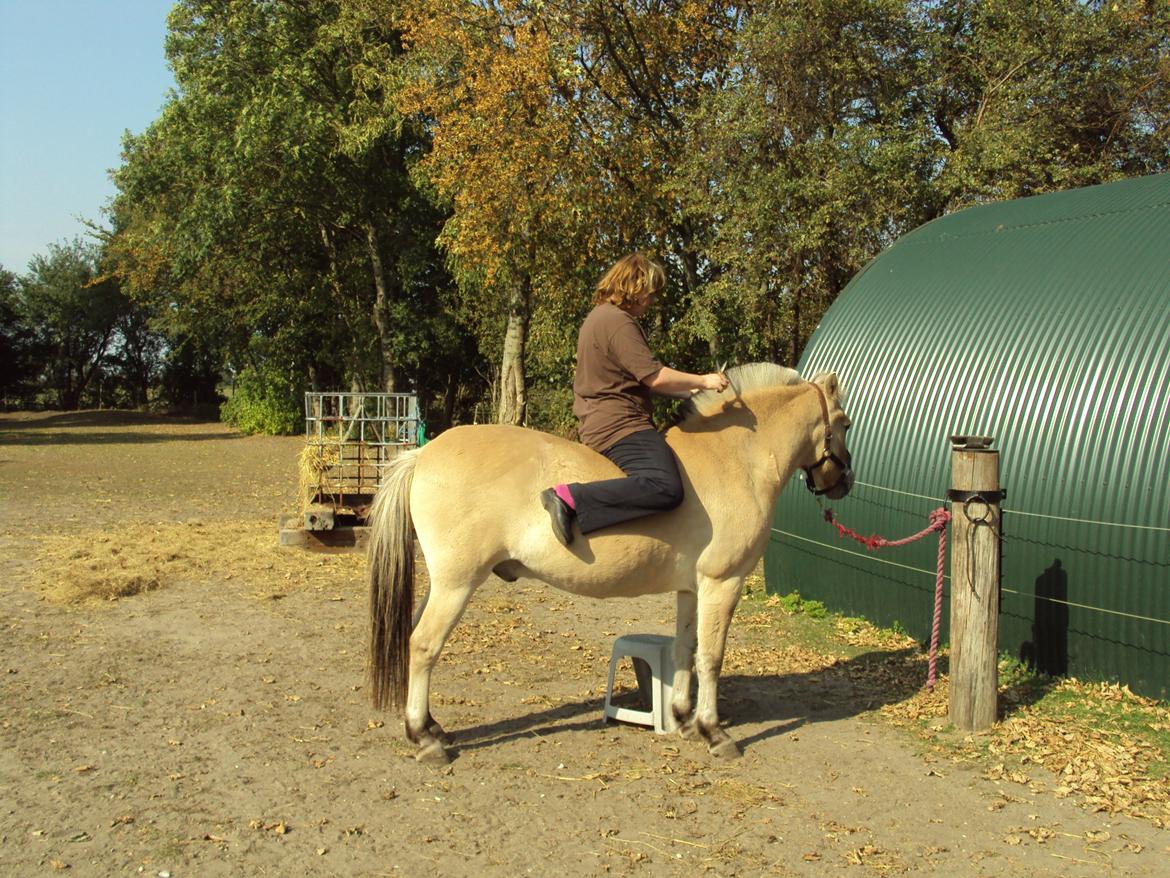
(482, 78)
(804, 165)
(844, 124)
(75, 313)
(271, 200)
(554, 126)
(1028, 97)
(18, 345)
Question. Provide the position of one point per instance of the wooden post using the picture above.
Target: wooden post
(975, 552)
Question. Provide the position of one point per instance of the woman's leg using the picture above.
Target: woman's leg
(651, 484)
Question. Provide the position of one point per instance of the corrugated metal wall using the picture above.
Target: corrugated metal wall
(1044, 322)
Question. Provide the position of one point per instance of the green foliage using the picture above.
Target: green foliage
(273, 199)
(794, 604)
(19, 349)
(422, 195)
(264, 401)
(75, 312)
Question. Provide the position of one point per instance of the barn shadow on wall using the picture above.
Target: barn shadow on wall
(1047, 652)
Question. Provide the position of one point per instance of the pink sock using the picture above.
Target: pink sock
(562, 491)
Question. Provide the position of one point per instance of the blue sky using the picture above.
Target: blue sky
(74, 75)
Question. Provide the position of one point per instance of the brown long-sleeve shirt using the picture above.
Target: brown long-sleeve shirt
(613, 359)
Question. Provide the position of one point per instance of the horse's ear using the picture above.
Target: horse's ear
(829, 382)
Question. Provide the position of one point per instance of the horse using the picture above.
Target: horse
(471, 496)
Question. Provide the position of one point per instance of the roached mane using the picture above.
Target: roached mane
(745, 378)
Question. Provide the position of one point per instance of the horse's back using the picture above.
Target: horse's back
(476, 503)
(484, 481)
(509, 457)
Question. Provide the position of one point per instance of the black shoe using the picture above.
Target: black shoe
(561, 515)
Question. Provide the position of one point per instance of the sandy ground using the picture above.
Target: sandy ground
(218, 724)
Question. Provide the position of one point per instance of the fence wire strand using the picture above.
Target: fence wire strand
(870, 557)
(1009, 510)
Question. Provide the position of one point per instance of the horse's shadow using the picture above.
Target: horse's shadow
(781, 702)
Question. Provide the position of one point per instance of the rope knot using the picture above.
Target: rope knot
(939, 518)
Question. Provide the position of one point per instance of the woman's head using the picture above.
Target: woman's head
(631, 283)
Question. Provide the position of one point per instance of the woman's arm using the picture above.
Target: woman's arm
(671, 382)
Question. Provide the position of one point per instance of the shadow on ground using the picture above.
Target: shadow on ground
(780, 702)
(46, 428)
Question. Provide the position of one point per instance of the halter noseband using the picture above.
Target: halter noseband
(827, 456)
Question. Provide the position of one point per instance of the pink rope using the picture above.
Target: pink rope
(938, 522)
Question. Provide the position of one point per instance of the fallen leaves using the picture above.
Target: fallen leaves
(276, 827)
(1112, 773)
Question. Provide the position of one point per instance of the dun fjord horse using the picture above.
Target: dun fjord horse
(472, 496)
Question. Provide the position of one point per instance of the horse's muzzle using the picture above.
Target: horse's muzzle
(844, 486)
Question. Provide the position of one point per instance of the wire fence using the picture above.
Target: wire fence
(1007, 511)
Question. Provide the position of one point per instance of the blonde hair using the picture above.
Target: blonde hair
(631, 280)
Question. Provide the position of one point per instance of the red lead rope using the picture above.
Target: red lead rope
(938, 522)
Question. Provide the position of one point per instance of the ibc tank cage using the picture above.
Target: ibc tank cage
(350, 438)
(1045, 323)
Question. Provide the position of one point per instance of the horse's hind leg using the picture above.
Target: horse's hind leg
(684, 660)
(433, 727)
(717, 600)
(441, 611)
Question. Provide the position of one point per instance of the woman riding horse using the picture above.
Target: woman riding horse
(616, 373)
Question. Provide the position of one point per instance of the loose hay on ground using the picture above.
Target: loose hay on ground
(111, 564)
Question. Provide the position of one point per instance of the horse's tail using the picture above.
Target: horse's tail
(390, 558)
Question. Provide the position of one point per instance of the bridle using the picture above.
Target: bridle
(827, 456)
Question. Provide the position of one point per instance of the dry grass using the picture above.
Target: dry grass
(110, 564)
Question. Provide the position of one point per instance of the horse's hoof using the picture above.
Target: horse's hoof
(432, 753)
(436, 731)
(689, 731)
(726, 749)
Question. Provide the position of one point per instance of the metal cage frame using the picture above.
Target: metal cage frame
(355, 436)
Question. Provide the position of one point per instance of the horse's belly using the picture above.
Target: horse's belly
(637, 567)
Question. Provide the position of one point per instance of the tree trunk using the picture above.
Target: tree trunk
(449, 399)
(71, 397)
(513, 389)
(382, 302)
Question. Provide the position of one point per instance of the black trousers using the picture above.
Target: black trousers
(652, 483)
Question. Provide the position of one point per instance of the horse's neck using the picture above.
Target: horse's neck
(767, 432)
(782, 435)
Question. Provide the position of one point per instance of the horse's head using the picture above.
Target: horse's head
(830, 472)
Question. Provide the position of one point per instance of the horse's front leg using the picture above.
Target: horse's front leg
(684, 661)
(716, 605)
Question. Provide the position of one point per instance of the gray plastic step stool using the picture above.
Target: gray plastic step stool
(653, 658)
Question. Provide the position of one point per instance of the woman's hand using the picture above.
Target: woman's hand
(716, 381)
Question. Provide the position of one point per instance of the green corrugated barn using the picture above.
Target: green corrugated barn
(1045, 323)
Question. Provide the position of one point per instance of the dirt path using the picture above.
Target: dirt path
(218, 725)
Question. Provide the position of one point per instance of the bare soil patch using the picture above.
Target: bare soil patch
(180, 695)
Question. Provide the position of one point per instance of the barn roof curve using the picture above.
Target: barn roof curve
(1045, 323)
